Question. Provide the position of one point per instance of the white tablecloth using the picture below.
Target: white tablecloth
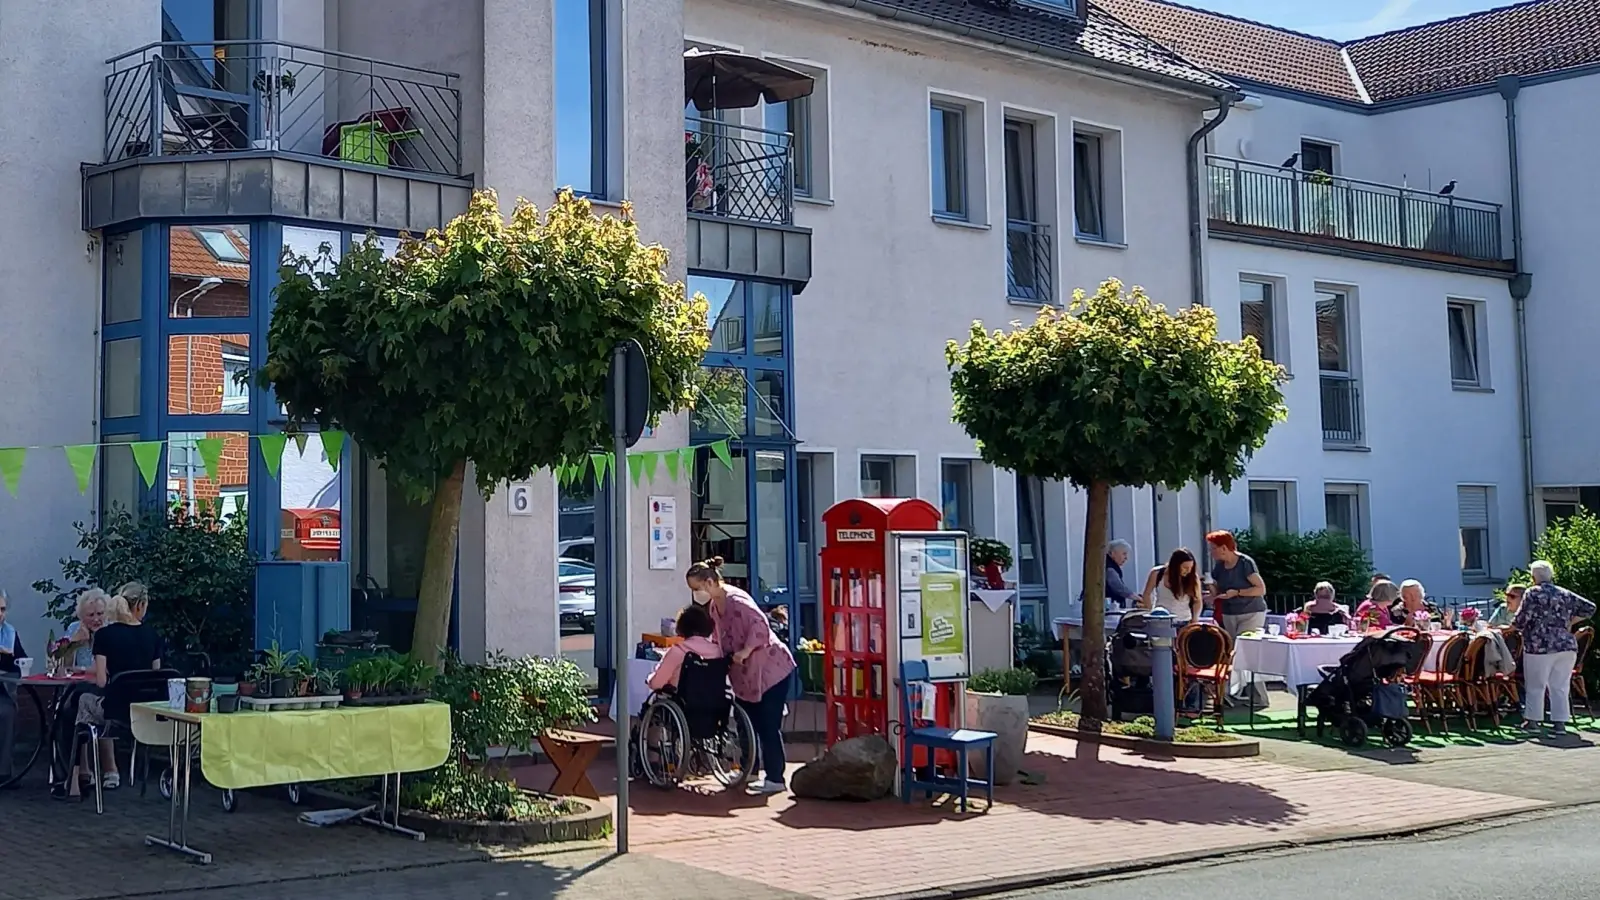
(1072, 625)
(638, 689)
(1296, 660)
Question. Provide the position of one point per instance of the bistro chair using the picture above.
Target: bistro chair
(920, 732)
(1204, 655)
(1580, 685)
(1447, 679)
(1480, 687)
(122, 691)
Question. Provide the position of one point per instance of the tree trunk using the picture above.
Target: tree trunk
(1092, 686)
(431, 634)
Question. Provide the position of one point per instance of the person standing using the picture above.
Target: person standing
(761, 664)
(1175, 587)
(1549, 648)
(1240, 603)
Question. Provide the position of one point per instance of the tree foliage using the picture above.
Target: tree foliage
(488, 342)
(1113, 390)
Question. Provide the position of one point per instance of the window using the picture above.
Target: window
(877, 476)
(1463, 324)
(1333, 349)
(1021, 192)
(1255, 315)
(580, 95)
(119, 379)
(1271, 507)
(235, 371)
(310, 502)
(1088, 185)
(794, 118)
(193, 457)
(805, 578)
(947, 135)
(222, 244)
(208, 271)
(1030, 532)
(1472, 505)
(124, 267)
(955, 494)
(1346, 510)
(1316, 156)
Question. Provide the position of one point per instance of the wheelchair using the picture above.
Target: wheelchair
(695, 730)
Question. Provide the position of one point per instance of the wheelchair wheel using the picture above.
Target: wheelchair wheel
(295, 794)
(26, 748)
(164, 784)
(1353, 732)
(230, 800)
(663, 744)
(1396, 733)
(731, 755)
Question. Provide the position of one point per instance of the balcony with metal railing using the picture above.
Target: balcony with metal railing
(271, 128)
(1341, 410)
(1028, 262)
(734, 171)
(1248, 198)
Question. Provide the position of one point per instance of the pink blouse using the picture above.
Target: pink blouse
(671, 666)
(741, 625)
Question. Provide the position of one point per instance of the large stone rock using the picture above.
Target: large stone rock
(858, 768)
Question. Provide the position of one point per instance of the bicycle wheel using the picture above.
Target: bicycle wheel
(27, 748)
(663, 744)
(732, 752)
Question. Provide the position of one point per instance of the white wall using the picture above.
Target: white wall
(1423, 436)
(50, 271)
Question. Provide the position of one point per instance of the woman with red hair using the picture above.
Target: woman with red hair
(1239, 603)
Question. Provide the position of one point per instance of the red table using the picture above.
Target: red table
(45, 712)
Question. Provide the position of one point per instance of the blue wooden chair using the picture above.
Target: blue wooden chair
(920, 732)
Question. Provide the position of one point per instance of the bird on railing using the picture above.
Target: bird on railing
(1448, 189)
(1291, 161)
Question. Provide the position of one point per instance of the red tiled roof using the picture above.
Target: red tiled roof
(1529, 38)
(191, 259)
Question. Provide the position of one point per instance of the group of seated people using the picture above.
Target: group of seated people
(108, 637)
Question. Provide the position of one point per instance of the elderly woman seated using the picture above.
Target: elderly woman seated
(1323, 612)
(80, 634)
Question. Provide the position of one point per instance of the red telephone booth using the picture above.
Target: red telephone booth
(857, 624)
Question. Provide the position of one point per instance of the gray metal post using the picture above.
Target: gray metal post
(619, 585)
(1160, 630)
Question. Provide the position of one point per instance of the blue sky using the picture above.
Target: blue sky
(1347, 19)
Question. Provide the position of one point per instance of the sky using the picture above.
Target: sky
(1348, 19)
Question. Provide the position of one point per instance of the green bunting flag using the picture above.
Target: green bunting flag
(651, 458)
(635, 467)
(720, 448)
(686, 461)
(599, 460)
(300, 441)
(11, 466)
(147, 455)
(238, 504)
(81, 458)
(211, 454)
(333, 445)
(272, 451)
(672, 459)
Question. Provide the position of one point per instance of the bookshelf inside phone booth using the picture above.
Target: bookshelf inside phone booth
(861, 615)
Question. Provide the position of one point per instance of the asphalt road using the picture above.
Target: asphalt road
(1551, 857)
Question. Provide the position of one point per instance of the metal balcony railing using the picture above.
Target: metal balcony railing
(1314, 203)
(738, 172)
(233, 96)
(1341, 410)
(1028, 261)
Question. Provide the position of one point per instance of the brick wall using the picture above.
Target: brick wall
(195, 375)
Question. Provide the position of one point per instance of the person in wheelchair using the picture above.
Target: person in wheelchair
(695, 627)
(685, 725)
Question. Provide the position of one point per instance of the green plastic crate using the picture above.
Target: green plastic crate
(338, 657)
(367, 142)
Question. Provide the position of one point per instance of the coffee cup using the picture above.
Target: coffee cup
(177, 692)
(1274, 629)
(25, 666)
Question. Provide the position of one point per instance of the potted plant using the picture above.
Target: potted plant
(250, 681)
(355, 679)
(997, 701)
(1324, 206)
(278, 666)
(991, 559)
(325, 683)
(419, 676)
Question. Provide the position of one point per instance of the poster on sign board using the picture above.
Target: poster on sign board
(931, 602)
(663, 532)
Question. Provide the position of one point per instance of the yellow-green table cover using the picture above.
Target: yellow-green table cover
(249, 749)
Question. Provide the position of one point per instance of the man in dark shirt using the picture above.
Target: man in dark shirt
(10, 651)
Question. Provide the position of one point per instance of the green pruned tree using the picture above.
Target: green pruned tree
(1113, 390)
(488, 343)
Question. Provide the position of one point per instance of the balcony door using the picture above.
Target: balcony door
(1026, 259)
(208, 81)
(1341, 398)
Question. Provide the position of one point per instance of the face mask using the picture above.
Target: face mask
(701, 598)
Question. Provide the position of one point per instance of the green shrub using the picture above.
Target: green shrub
(509, 701)
(1294, 563)
(1572, 546)
(197, 567)
(1013, 682)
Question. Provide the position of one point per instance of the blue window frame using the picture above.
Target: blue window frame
(581, 57)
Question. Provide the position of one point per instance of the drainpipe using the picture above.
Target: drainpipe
(1521, 286)
(1197, 269)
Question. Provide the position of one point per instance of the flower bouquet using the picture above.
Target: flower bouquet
(1469, 618)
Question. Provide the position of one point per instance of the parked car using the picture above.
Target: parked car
(575, 595)
(577, 550)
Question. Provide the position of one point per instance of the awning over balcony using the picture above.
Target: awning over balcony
(719, 79)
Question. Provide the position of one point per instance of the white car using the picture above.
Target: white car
(575, 594)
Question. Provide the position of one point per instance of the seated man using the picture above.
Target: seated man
(10, 651)
(1322, 611)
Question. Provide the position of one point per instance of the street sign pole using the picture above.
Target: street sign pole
(619, 583)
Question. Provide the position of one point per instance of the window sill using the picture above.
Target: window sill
(1471, 389)
(1031, 304)
(1346, 448)
(948, 222)
(1100, 242)
(1481, 579)
(813, 201)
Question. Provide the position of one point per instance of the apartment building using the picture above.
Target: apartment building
(1400, 219)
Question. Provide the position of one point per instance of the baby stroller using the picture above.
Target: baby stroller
(1129, 684)
(695, 729)
(1365, 690)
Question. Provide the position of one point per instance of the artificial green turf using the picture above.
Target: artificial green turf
(1278, 724)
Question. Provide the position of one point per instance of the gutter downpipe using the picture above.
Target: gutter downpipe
(1521, 285)
(1197, 270)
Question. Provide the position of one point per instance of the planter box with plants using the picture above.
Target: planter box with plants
(388, 680)
(997, 701)
(989, 559)
(285, 680)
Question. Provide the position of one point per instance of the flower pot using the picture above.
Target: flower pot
(228, 703)
(283, 686)
(247, 688)
(994, 576)
(1006, 716)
